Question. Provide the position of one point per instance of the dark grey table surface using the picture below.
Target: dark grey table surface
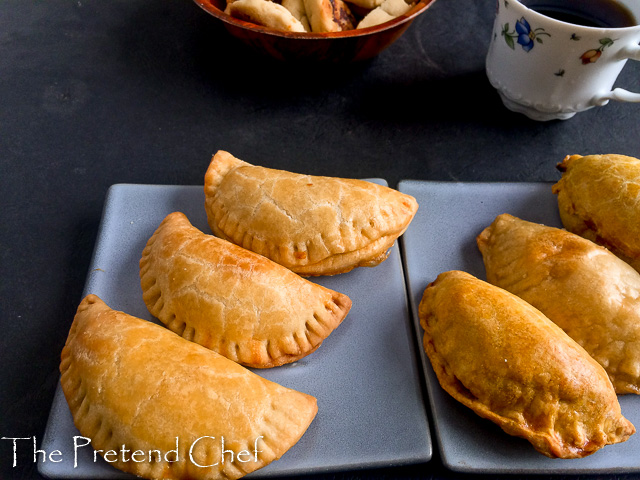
(94, 93)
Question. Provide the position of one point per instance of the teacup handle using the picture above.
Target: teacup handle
(630, 52)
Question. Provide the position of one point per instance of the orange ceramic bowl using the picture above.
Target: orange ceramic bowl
(347, 46)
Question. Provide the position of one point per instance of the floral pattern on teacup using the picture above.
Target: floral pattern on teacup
(523, 34)
(592, 56)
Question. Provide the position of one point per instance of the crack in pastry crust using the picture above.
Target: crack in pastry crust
(311, 225)
(132, 383)
(499, 356)
(234, 301)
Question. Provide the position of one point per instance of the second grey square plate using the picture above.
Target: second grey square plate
(442, 237)
(365, 375)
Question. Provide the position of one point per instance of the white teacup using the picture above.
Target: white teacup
(550, 69)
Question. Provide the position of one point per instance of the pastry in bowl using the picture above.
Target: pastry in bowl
(582, 287)
(501, 357)
(312, 225)
(135, 386)
(599, 199)
(317, 47)
(234, 301)
(267, 13)
(329, 15)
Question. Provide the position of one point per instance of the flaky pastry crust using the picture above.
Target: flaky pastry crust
(234, 301)
(135, 385)
(586, 290)
(311, 225)
(599, 199)
(501, 357)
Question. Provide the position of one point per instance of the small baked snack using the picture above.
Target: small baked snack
(388, 10)
(329, 15)
(583, 288)
(265, 13)
(236, 302)
(297, 9)
(599, 199)
(135, 386)
(311, 225)
(366, 4)
(375, 17)
(499, 356)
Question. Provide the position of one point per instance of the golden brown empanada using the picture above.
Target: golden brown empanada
(329, 15)
(236, 302)
(599, 199)
(135, 386)
(583, 288)
(311, 225)
(499, 356)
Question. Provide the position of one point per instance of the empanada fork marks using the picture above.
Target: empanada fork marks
(234, 301)
(312, 225)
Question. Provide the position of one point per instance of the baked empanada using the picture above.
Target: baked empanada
(329, 15)
(583, 288)
(366, 4)
(311, 225)
(236, 302)
(134, 386)
(599, 199)
(388, 10)
(265, 13)
(499, 356)
(297, 9)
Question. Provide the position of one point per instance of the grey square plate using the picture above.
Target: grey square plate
(365, 375)
(441, 238)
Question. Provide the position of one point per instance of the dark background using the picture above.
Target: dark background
(94, 93)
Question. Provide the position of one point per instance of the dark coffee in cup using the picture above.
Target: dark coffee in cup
(589, 13)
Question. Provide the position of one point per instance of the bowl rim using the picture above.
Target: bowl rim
(417, 9)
